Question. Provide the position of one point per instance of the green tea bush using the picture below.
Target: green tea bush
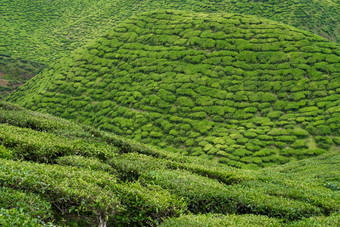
(146, 205)
(16, 217)
(135, 184)
(29, 203)
(162, 74)
(82, 192)
(210, 220)
(94, 194)
(333, 220)
(85, 162)
(211, 196)
(6, 153)
(46, 147)
(300, 133)
(324, 142)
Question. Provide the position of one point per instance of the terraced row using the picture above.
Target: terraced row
(136, 184)
(34, 33)
(247, 91)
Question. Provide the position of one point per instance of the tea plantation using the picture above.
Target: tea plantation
(34, 33)
(55, 172)
(246, 91)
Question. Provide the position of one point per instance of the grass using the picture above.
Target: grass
(245, 91)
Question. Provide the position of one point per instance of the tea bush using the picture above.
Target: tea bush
(221, 220)
(128, 183)
(160, 97)
(16, 217)
(29, 203)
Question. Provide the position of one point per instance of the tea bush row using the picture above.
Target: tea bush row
(135, 184)
(62, 31)
(137, 84)
(93, 195)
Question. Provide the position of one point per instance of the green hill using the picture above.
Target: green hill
(35, 33)
(55, 171)
(246, 91)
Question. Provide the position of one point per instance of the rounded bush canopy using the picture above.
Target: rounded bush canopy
(220, 86)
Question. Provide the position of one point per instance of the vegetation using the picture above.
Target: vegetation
(248, 92)
(221, 220)
(202, 117)
(127, 183)
(35, 33)
(8, 84)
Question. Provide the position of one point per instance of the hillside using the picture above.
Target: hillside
(55, 171)
(243, 90)
(35, 33)
(8, 84)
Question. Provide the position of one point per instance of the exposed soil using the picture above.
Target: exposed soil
(3, 83)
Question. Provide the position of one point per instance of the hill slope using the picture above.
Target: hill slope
(239, 88)
(54, 170)
(34, 33)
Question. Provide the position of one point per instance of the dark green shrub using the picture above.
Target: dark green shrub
(324, 142)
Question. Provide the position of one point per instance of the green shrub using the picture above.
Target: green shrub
(336, 140)
(16, 217)
(29, 203)
(264, 152)
(70, 187)
(323, 130)
(147, 205)
(126, 84)
(18, 116)
(242, 152)
(85, 162)
(185, 101)
(332, 220)
(45, 147)
(301, 133)
(5, 153)
(324, 142)
(211, 196)
(286, 138)
(274, 114)
(299, 144)
(250, 134)
(211, 220)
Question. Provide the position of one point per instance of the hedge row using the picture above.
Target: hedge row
(16, 217)
(219, 86)
(93, 195)
(80, 23)
(45, 147)
(29, 203)
(211, 220)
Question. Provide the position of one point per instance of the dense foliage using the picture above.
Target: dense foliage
(247, 91)
(239, 115)
(126, 183)
(8, 84)
(34, 33)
